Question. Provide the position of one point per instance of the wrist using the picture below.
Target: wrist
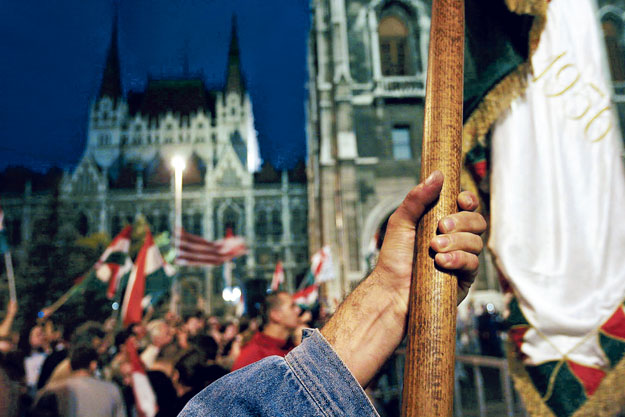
(367, 328)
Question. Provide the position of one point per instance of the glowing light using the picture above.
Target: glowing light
(115, 305)
(231, 294)
(178, 163)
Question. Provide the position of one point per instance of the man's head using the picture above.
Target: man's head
(83, 357)
(160, 333)
(194, 323)
(279, 308)
(37, 337)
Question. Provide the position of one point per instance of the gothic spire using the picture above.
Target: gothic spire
(234, 77)
(111, 79)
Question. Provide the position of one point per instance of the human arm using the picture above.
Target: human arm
(371, 322)
(5, 327)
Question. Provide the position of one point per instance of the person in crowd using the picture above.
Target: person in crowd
(248, 328)
(326, 373)
(280, 316)
(194, 323)
(89, 333)
(160, 335)
(59, 353)
(14, 398)
(7, 323)
(193, 374)
(35, 352)
(81, 394)
(489, 326)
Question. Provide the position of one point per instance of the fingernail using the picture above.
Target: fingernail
(442, 241)
(430, 179)
(449, 225)
(446, 257)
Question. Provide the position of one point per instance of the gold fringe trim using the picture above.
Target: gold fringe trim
(607, 401)
(500, 96)
(532, 401)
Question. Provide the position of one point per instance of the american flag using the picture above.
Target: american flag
(195, 250)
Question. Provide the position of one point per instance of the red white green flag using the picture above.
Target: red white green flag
(149, 266)
(278, 277)
(115, 262)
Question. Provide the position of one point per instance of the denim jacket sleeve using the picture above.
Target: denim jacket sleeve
(310, 381)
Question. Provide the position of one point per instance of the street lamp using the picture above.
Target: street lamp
(179, 165)
(177, 162)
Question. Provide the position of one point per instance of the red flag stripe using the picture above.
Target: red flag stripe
(137, 291)
(195, 250)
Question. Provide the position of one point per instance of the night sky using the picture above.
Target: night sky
(52, 55)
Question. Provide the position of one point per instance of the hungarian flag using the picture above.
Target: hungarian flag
(150, 268)
(278, 277)
(557, 191)
(321, 265)
(4, 241)
(307, 297)
(115, 262)
(145, 398)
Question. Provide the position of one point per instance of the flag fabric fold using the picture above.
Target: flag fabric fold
(557, 185)
(149, 268)
(321, 265)
(307, 297)
(278, 277)
(115, 262)
(195, 250)
(145, 398)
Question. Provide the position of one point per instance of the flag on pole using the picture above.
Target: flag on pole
(559, 256)
(4, 241)
(278, 277)
(145, 398)
(322, 266)
(149, 266)
(115, 262)
(307, 297)
(195, 250)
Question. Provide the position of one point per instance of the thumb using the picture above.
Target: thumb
(418, 199)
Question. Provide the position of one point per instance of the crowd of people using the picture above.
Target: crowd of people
(57, 371)
(163, 366)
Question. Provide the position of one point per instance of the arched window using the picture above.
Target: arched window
(394, 48)
(612, 31)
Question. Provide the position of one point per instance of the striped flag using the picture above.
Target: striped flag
(307, 297)
(322, 266)
(278, 277)
(195, 250)
(145, 399)
(149, 266)
(115, 262)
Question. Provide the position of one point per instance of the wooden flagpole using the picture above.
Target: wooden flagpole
(429, 370)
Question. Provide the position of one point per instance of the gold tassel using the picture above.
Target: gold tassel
(500, 96)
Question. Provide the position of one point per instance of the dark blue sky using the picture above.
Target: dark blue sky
(52, 54)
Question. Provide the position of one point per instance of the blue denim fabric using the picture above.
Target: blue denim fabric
(310, 381)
